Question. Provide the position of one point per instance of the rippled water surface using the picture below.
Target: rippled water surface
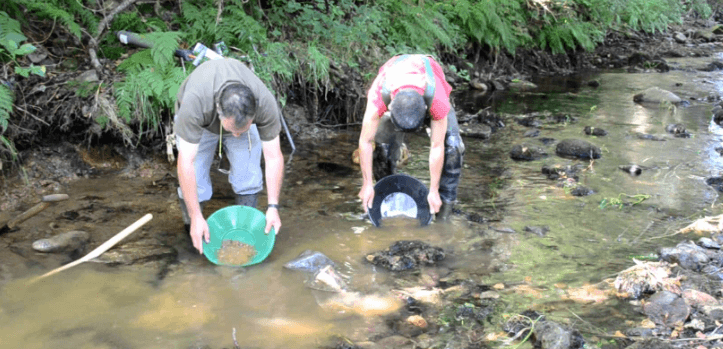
(197, 303)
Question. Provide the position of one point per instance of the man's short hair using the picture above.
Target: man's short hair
(237, 101)
(408, 109)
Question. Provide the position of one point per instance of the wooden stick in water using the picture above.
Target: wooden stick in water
(102, 248)
(39, 207)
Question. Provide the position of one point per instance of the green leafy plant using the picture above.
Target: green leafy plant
(10, 50)
(70, 13)
(10, 39)
(619, 202)
(151, 83)
(495, 23)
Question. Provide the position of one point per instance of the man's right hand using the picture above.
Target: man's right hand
(367, 196)
(199, 230)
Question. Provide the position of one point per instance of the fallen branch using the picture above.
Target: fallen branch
(105, 22)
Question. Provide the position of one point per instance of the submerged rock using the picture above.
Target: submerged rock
(657, 95)
(65, 242)
(406, 255)
(527, 152)
(479, 131)
(539, 231)
(581, 191)
(551, 335)
(595, 131)
(716, 183)
(678, 130)
(558, 171)
(546, 334)
(649, 137)
(576, 148)
(309, 261)
(634, 170)
(532, 133)
(327, 279)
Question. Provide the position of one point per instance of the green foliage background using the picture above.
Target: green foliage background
(290, 42)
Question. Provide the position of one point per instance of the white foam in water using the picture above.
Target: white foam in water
(398, 205)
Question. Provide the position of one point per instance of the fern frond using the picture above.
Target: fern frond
(45, 9)
(164, 45)
(6, 106)
(137, 62)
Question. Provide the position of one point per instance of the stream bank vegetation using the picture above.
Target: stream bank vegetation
(317, 54)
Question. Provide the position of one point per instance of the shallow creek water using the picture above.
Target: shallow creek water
(197, 303)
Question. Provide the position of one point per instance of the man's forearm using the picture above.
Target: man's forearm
(187, 182)
(366, 151)
(436, 162)
(274, 178)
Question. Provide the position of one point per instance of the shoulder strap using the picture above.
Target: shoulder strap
(429, 91)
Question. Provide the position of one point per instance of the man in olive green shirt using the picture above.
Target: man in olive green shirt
(223, 102)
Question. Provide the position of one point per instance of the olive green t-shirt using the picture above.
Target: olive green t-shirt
(196, 109)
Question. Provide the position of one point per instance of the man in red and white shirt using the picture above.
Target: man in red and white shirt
(407, 89)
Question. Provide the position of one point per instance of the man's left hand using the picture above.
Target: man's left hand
(435, 202)
(273, 220)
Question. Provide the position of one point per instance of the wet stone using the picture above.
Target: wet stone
(547, 140)
(649, 137)
(708, 243)
(666, 308)
(309, 261)
(713, 272)
(551, 335)
(716, 183)
(633, 170)
(479, 131)
(656, 95)
(639, 332)
(556, 172)
(539, 231)
(686, 255)
(65, 242)
(517, 324)
(579, 149)
(595, 131)
(406, 255)
(581, 191)
(698, 299)
(527, 152)
(678, 130)
(714, 311)
(532, 133)
(529, 121)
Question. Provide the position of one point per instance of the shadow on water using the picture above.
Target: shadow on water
(586, 239)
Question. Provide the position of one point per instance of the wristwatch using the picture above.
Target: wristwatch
(276, 206)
